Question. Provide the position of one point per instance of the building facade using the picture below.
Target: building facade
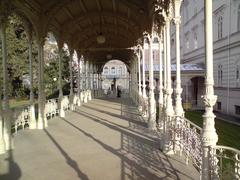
(226, 45)
(115, 74)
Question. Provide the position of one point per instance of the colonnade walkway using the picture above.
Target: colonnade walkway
(104, 139)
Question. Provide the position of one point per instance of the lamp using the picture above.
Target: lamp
(101, 38)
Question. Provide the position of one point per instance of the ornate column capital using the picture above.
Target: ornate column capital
(60, 43)
(176, 7)
(177, 20)
(5, 10)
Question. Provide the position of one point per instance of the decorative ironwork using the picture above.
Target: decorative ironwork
(190, 140)
(224, 162)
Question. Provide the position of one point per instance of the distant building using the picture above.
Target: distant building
(115, 73)
(226, 45)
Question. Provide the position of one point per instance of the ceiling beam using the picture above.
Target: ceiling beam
(82, 5)
(99, 5)
(91, 15)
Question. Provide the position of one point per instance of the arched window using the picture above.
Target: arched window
(113, 70)
(237, 75)
(120, 71)
(195, 40)
(237, 72)
(220, 27)
(220, 74)
(238, 18)
(187, 40)
(105, 70)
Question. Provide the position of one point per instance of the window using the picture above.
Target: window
(153, 54)
(113, 70)
(186, 12)
(105, 70)
(120, 71)
(195, 40)
(219, 105)
(237, 72)
(220, 26)
(220, 74)
(195, 11)
(237, 109)
(238, 18)
(187, 40)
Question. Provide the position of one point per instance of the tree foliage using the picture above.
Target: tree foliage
(18, 61)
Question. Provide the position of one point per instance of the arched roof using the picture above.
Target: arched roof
(78, 23)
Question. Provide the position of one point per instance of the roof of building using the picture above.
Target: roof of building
(184, 67)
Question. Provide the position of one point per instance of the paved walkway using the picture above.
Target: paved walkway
(103, 140)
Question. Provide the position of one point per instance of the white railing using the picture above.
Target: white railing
(185, 137)
(66, 103)
(51, 108)
(189, 136)
(76, 98)
(144, 106)
(20, 117)
(224, 163)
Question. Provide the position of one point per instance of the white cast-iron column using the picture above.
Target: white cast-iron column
(85, 98)
(42, 120)
(6, 137)
(145, 99)
(160, 100)
(209, 135)
(139, 81)
(179, 112)
(178, 109)
(89, 80)
(169, 107)
(71, 95)
(32, 123)
(144, 94)
(2, 33)
(164, 68)
(79, 79)
(60, 98)
(152, 103)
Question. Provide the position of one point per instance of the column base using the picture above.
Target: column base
(62, 113)
(32, 124)
(42, 123)
(8, 142)
(7, 136)
(89, 95)
(2, 146)
(169, 152)
(152, 124)
(72, 107)
(140, 108)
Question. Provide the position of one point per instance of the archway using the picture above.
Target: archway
(196, 90)
(115, 75)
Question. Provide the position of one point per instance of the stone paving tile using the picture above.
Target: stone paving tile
(104, 139)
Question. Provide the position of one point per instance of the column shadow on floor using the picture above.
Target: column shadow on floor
(139, 154)
(14, 171)
(73, 164)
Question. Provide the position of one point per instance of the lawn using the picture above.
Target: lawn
(228, 134)
(15, 103)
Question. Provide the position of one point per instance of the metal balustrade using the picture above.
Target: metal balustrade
(224, 162)
(20, 118)
(184, 136)
(51, 108)
(188, 135)
(66, 103)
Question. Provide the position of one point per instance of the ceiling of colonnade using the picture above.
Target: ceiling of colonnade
(79, 22)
